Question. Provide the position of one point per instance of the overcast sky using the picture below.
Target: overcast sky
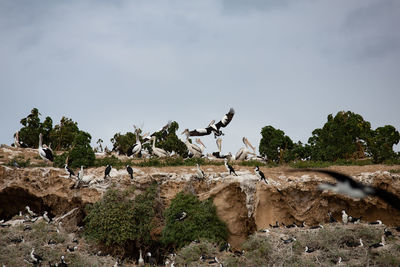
(111, 64)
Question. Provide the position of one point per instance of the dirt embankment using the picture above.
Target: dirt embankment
(242, 202)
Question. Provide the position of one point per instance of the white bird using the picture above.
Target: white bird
(30, 212)
(194, 149)
(244, 151)
(217, 154)
(44, 152)
(140, 261)
(380, 244)
(159, 152)
(137, 147)
(214, 128)
(45, 217)
(201, 145)
(345, 217)
(200, 173)
(80, 174)
(18, 143)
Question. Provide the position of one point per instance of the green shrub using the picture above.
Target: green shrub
(193, 251)
(118, 220)
(202, 222)
(20, 161)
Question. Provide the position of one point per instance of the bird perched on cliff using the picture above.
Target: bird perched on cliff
(200, 173)
(345, 217)
(44, 152)
(35, 257)
(348, 186)
(30, 212)
(62, 263)
(69, 171)
(260, 174)
(45, 217)
(152, 261)
(229, 167)
(387, 233)
(107, 171)
(331, 218)
(181, 216)
(141, 260)
(309, 250)
(355, 219)
(380, 244)
(375, 222)
(130, 171)
(276, 225)
(289, 240)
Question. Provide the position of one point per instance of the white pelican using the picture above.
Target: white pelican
(137, 147)
(214, 128)
(18, 143)
(194, 149)
(159, 152)
(244, 151)
(44, 152)
(202, 146)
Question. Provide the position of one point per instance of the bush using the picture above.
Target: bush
(117, 221)
(201, 222)
(193, 251)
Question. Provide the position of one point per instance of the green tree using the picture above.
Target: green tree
(381, 143)
(120, 219)
(32, 127)
(299, 151)
(123, 143)
(169, 141)
(341, 137)
(274, 144)
(81, 153)
(63, 134)
(202, 222)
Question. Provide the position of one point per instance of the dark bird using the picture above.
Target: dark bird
(380, 244)
(17, 239)
(214, 128)
(289, 240)
(36, 259)
(317, 226)
(62, 263)
(276, 225)
(69, 171)
(309, 250)
(348, 186)
(181, 216)
(260, 174)
(130, 171)
(331, 218)
(71, 249)
(387, 232)
(229, 167)
(107, 171)
(355, 219)
(398, 228)
(293, 225)
(225, 247)
(51, 242)
(152, 261)
(375, 222)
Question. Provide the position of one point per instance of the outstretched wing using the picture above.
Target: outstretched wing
(388, 197)
(337, 175)
(200, 132)
(226, 119)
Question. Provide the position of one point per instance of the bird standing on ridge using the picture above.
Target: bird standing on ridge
(260, 174)
(69, 171)
(200, 173)
(345, 217)
(130, 171)
(107, 171)
(229, 167)
(44, 152)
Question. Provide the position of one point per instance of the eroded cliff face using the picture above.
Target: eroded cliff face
(242, 202)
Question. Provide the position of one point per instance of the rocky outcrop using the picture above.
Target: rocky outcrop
(242, 202)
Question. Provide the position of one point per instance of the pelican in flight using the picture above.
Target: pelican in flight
(44, 152)
(194, 149)
(214, 127)
(244, 151)
(159, 152)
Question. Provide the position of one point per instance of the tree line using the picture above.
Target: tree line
(344, 136)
